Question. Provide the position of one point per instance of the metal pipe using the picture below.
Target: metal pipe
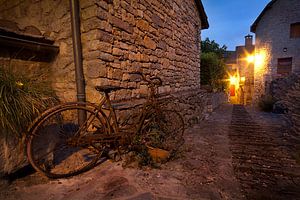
(77, 51)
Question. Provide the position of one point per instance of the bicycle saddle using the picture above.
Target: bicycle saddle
(108, 88)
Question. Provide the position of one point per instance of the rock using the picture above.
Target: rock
(149, 43)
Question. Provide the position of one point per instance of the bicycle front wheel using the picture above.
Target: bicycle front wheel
(163, 129)
(57, 147)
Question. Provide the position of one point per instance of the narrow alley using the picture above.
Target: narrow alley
(237, 153)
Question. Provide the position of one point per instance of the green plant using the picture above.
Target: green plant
(213, 69)
(266, 103)
(21, 100)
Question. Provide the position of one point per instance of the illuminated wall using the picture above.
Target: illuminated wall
(273, 41)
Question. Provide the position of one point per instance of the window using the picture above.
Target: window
(295, 30)
(284, 66)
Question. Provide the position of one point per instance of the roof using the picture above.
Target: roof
(268, 7)
(230, 57)
(28, 47)
(203, 16)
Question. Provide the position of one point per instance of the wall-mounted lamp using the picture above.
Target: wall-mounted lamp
(284, 49)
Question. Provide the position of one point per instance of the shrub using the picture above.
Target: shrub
(21, 100)
(266, 103)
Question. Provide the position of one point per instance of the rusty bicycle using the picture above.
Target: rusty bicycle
(71, 138)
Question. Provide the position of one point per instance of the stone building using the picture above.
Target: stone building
(158, 37)
(241, 68)
(118, 37)
(277, 31)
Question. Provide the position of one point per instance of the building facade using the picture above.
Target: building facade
(241, 71)
(277, 31)
(118, 37)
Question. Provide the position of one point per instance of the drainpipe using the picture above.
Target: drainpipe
(77, 51)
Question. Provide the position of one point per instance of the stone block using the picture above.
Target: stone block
(126, 37)
(149, 43)
(99, 81)
(124, 46)
(132, 85)
(12, 154)
(89, 12)
(157, 21)
(95, 23)
(96, 69)
(116, 65)
(128, 17)
(119, 23)
(117, 74)
(105, 47)
(153, 58)
(88, 3)
(125, 64)
(134, 56)
(106, 57)
(145, 58)
(117, 52)
(104, 36)
(162, 45)
(164, 89)
(94, 11)
(128, 7)
(142, 25)
(144, 90)
(101, 46)
(103, 4)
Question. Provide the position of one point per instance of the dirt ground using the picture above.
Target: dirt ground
(203, 171)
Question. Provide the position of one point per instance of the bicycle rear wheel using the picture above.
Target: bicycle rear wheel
(163, 129)
(57, 147)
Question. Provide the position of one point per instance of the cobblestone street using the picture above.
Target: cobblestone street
(237, 153)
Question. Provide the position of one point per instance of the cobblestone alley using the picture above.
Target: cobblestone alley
(237, 153)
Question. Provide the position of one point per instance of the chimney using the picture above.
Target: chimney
(248, 40)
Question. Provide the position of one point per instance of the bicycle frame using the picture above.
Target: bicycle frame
(110, 113)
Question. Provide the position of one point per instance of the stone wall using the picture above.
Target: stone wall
(118, 37)
(272, 36)
(158, 37)
(12, 155)
(287, 92)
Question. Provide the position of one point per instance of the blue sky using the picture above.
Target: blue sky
(230, 20)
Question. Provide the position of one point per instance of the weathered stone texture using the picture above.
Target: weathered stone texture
(287, 91)
(272, 36)
(11, 155)
(153, 35)
(119, 37)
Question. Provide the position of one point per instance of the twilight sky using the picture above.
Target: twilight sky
(230, 20)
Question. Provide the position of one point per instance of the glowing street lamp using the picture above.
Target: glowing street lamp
(250, 59)
(258, 59)
(233, 80)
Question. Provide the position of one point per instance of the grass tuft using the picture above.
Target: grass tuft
(21, 100)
